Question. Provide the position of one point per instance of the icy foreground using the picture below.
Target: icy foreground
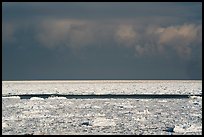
(101, 116)
(59, 115)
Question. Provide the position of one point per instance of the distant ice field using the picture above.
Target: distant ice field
(84, 87)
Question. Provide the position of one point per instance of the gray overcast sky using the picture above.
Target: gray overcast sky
(87, 40)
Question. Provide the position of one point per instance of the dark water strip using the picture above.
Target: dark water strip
(107, 96)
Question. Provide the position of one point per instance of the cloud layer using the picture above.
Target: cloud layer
(145, 40)
(120, 36)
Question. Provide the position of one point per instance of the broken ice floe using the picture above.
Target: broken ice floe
(36, 98)
(102, 121)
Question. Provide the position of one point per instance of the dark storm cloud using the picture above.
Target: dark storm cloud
(102, 40)
(94, 9)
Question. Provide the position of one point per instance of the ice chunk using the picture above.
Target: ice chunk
(36, 98)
